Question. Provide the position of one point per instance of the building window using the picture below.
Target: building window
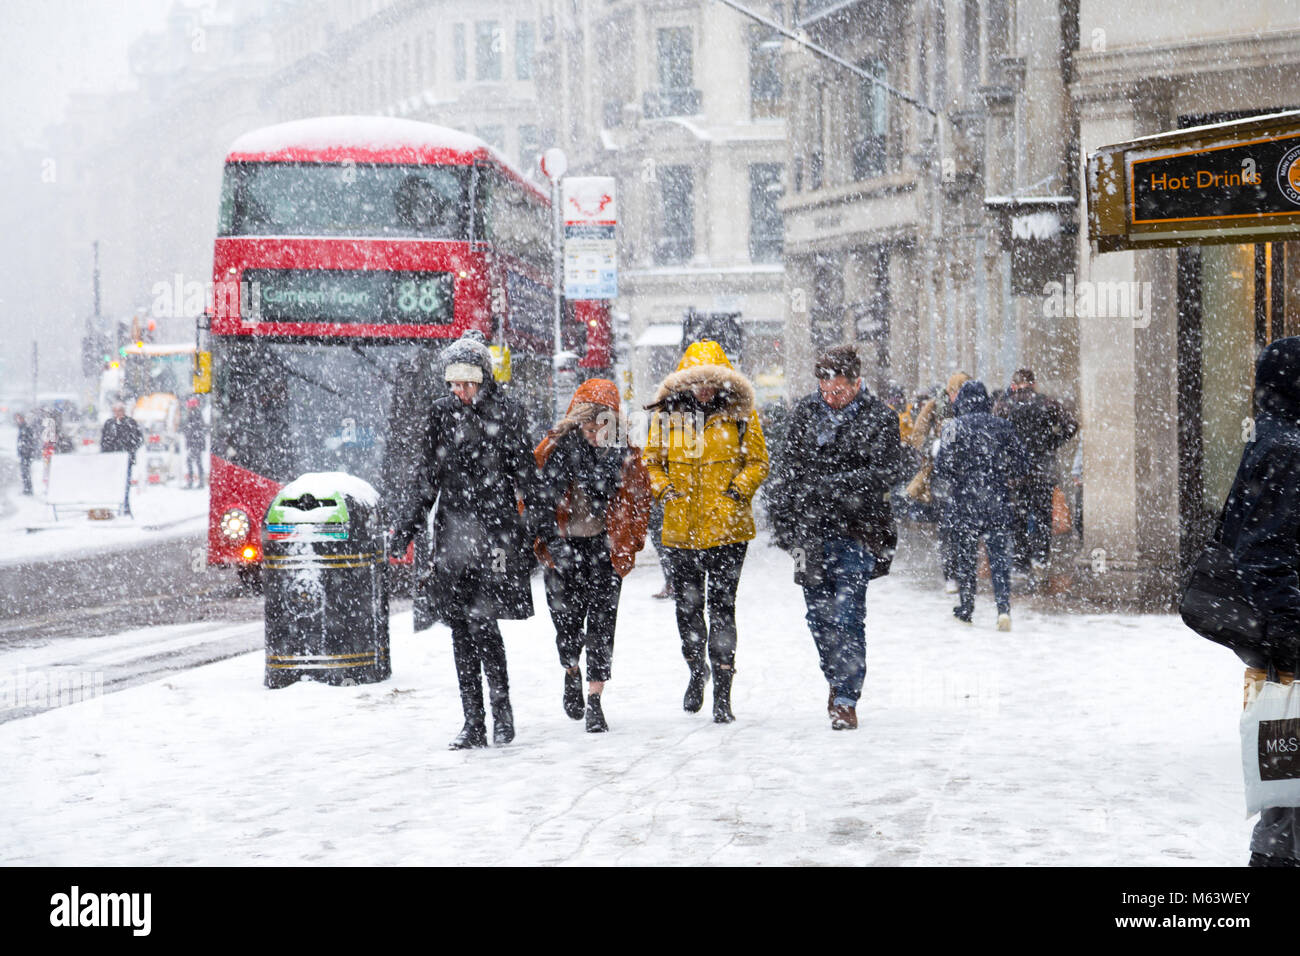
(872, 122)
(487, 50)
(458, 52)
(524, 46)
(494, 136)
(530, 146)
(676, 215)
(765, 228)
(816, 155)
(970, 47)
(764, 72)
(676, 63)
(428, 59)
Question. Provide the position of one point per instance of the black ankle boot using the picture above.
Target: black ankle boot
(573, 693)
(722, 695)
(694, 698)
(503, 722)
(595, 716)
(471, 735)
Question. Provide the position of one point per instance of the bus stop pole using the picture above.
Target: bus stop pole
(554, 163)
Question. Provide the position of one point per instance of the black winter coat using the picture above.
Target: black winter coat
(1042, 424)
(124, 435)
(1261, 519)
(29, 445)
(979, 457)
(839, 487)
(574, 461)
(476, 462)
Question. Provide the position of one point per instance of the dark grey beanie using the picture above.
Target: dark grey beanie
(470, 349)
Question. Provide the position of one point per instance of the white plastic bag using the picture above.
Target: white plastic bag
(1270, 746)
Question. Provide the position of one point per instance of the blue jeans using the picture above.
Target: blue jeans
(836, 595)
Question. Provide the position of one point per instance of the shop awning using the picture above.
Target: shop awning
(1222, 183)
(663, 333)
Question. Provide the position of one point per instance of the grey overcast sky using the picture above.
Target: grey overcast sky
(48, 48)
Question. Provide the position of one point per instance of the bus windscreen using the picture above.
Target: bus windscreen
(285, 408)
(345, 199)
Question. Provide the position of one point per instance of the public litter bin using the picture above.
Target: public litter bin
(324, 574)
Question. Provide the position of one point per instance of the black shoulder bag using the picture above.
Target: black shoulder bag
(1215, 606)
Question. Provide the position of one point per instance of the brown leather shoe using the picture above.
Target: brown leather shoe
(844, 718)
(830, 704)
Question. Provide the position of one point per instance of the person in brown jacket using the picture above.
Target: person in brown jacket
(926, 430)
(595, 505)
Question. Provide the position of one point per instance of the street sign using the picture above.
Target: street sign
(590, 212)
(1231, 182)
(554, 163)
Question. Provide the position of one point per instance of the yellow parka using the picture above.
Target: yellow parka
(701, 466)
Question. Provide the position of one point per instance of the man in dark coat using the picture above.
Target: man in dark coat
(1261, 523)
(28, 448)
(195, 430)
(472, 455)
(829, 501)
(1043, 425)
(979, 457)
(122, 433)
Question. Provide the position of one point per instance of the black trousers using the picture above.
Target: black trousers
(583, 599)
(697, 576)
(1032, 504)
(25, 469)
(478, 649)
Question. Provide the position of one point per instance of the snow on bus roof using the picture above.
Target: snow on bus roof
(370, 134)
(371, 139)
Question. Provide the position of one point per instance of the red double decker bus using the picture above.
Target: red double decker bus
(345, 247)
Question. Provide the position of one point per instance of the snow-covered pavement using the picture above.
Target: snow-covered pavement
(1075, 739)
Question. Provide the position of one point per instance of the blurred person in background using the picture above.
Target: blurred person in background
(28, 448)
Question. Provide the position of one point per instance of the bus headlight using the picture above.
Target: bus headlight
(234, 525)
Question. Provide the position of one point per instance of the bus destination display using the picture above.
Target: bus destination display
(368, 297)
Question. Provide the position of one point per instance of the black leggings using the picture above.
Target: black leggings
(478, 649)
(695, 575)
(584, 606)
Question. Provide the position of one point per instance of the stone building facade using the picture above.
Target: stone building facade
(681, 102)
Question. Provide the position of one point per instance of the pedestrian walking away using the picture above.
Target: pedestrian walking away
(706, 458)
(122, 433)
(980, 456)
(830, 507)
(593, 508)
(469, 453)
(1261, 525)
(1043, 426)
(29, 447)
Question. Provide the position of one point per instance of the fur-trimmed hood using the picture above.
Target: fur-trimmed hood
(705, 363)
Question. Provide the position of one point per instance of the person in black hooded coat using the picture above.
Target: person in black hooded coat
(471, 454)
(980, 456)
(1261, 523)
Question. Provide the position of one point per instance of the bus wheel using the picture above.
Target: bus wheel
(250, 577)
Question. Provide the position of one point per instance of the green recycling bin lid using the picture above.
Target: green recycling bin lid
(314, 506)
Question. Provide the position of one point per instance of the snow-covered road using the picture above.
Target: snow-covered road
(1083, 739)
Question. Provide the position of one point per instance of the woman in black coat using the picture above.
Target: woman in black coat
(471, 455)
